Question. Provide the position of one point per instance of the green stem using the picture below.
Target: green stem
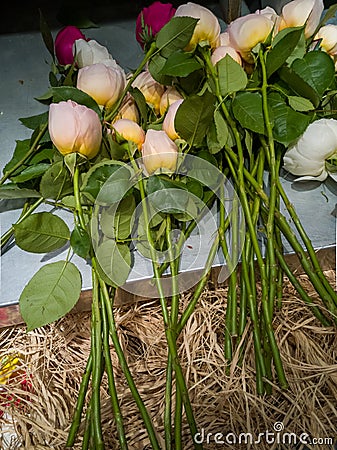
(231, 312)
(80, 403)
(87, 429)
(297, 285)
(168, 403)
(169, 331)
(308, 244)
(26, 213)
(30, 152)
(272, 265)
(111, 381)
(174, 264)
(77, 195)
(305, 259)
(200, 286)
(252, 230)
(96, 339)
(125, 368)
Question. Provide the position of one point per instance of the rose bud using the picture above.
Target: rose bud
(220, 52)
(247, 31)
(64, 43)
(328, 36)
(159, 152)
(74, 128)
(128, 109)
(307, 157)
(150, 88)
(300, 12)
(130, 131)
(91, 52)
(104, 84)
(170, 96)
(207, 28)
(168, 123)
(151, 20)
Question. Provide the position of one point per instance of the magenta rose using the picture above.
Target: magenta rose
(151, 20)
(64, 44)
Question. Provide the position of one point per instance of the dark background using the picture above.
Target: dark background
(21, 16)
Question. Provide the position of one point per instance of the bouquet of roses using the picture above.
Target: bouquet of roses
(196, 134)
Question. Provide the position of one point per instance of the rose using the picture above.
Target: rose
(128, 109)
(151, 20)
(104, 84)
(170, 96)
(300, 12)
(64, 42)
(328, 36)
(150, 88)
(130, 131)
(307, 157)
(74, 128)
(91, 52)
(207, 28)
(168, 123)
(247, 31)
(159, 152)
(222, 51)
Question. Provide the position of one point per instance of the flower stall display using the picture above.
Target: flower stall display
(200, 129)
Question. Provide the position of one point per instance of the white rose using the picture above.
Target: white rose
(307, 157)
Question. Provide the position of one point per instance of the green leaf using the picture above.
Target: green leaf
(41, 233)
(232, 77)
(288, 124)
(56, 182)
(115, 260)
(300, 103)
(298, 85)
(282, 47)
(180, 64)
(11, 191)
(31, 172)
(247, 109)
(50, 294)
(64, 93)
(195, 187)
(166, 195)
(80, 241)
(175, 35)
(316, 69)
(115, 187)
(193, 118)
(20, 151)
(156, 66)
(46, 35)
(33, 122)
(43, 155)
(139, 98)
(117, 220)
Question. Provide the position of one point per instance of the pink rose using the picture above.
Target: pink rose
(74, 128)
(151, 20)
(64, 42)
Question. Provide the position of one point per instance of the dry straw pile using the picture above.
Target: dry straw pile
(226, 402)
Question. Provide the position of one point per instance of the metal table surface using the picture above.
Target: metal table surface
(25, 67)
